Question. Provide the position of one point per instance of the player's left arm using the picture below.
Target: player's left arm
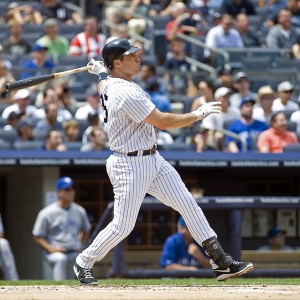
(170, 120)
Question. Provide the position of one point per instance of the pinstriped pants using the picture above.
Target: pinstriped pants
(132, 178)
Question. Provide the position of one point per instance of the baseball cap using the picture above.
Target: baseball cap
(275, 231)
(25, 122)
(14, 115)
(92, 115)
(12, 5)
(151, 83)
(221, 92)
(181, 222)
(239, 76)
(38, 47)
(285, 86)
(21, 94)
(91, 91)
(245, 100)
(64, 182)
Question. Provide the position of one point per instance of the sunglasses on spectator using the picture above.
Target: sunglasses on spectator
(288, 92)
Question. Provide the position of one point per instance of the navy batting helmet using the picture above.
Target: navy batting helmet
(63, 183)
(115, 48)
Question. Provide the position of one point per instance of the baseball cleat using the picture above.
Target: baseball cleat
(84, 276)
(235, 269)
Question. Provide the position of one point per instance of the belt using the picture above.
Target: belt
(145, 152)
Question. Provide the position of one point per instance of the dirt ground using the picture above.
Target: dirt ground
(149, 292)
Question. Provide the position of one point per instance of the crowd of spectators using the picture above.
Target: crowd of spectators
(68, 110)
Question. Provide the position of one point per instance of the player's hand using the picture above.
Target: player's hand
(97, 67)
(206, 109)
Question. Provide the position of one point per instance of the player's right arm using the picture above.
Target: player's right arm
(45, 245)
(170, 120)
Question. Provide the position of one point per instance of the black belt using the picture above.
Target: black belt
(145, 152)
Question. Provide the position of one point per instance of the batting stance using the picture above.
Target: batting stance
(136, 167)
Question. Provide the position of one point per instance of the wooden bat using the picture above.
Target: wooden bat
(25, 83)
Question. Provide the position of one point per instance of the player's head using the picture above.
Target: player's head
(115, 49)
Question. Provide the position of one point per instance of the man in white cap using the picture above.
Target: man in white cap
(21, 105)
(284, 102)
(228, 113)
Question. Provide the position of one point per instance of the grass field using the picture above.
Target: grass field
(154, 289)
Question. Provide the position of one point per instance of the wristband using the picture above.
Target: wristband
(102, 76)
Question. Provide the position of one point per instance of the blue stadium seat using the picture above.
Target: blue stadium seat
(39, 135)
(31, 37)
(291, 126)
(70, 29)
(160, 22)
(5, 145)
(292, 148)
(33, 28)
(73, 145)
(78, 61)
(3, 122)
(179, 146)
(28, 145)
(8, 135)
(3, 7)
(257, 63)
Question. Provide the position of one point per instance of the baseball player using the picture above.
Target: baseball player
(61, 229)
(136, 168)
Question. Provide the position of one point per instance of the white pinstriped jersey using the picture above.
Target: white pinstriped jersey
(125, 106)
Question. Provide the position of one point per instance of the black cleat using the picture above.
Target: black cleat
(235, 269)
(84, 276)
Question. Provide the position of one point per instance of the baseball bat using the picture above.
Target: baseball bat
(28, 82)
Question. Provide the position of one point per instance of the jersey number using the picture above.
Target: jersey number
(104, 98)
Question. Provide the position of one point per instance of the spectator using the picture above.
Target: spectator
(161, 101)
(93, 105)
(199, 141)
(5, 77)
(274, 139)
(6, 61)
(21, 105)
(89, 42)
(276, 240)
(50, 121)
(23, 14)
(58, 10)
(284, 102)
(234, 7)
(182, 22)
(177, 84)
(61, 229)
(163, 138)
(25, 130)
(245, 127)
(56, 44)
(61, 87)
(12, 121)
(38, 65)
(98, 140)
(295, 117)
(49, 96)
(228, 113)
(15, 44)
(225, 78)
(206, 89)
(223, 36)
(284, 34)
(93, 120)
(249, 37)
(54, 141)
(7, 260)
(265, 98)
(182, 252)
(138, 25)
(166, 6)
(241, 84)
(121, 31)
(71, 131)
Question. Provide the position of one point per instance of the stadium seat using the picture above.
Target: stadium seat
(179, 146)
(3, 122)
(255, 21)
(227, 123)
(284, 63)
(78, 61)
(31, 37)
(73, 145)
(3, 36)
(70, 29)
(256, 63)
(5, 145)
(39, 135)
(13, 58)
(253, 141)
(33, 28)
(8, 135)
(83, 125)
(160, 22)
(291, 126)
(292, 148)
(287, 113)
(28, 145)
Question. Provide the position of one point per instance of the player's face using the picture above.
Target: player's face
(131, 64)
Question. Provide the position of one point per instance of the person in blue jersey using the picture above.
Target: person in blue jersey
(245, 127)
(182, 252)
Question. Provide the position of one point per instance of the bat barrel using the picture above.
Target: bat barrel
(25, 83)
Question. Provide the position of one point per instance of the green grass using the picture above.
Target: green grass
(169, 282)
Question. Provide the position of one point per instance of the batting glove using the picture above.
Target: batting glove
(206, 109)
(97, 67)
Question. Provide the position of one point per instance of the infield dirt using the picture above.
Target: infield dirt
(227, 292)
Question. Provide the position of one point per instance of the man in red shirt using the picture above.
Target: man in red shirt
(275, 138)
